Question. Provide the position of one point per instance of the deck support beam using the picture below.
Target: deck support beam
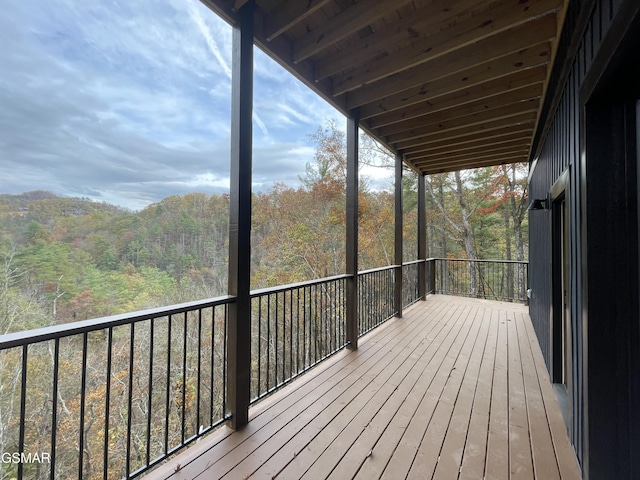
(422, 237)
(239, 320)
(398, 236)
(352, 231)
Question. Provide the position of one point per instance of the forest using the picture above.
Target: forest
(68, 259)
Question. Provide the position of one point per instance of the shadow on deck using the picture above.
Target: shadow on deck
(457, 389)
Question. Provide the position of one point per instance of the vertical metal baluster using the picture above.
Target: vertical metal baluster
(199, 383)
(326, 318)
(213, 362)
(304, 328)
(291, 334)
(130, 399)
(334, 343)
(342, 312)
(284, 335)
(83, 397)
(315, 323)
(369, 307)
(23, 406)
(107, 401)
(224, 362)
(268, 341)
(362, 304)
(150, 390)
(168, 399)
(362, 307)
(360, 310)
(379, 297)
(54, 411)
(277, 347)
(377, 292)
(258, 392)
(183, 412)
(320, 319)
(298, 331)
(371, 318)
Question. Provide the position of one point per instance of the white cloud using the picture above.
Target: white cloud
(129, 102)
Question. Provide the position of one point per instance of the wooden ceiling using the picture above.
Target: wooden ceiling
(449, 84)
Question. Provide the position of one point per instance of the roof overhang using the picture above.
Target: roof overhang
(447, 84)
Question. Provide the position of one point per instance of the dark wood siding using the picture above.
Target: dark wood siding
(557, 150)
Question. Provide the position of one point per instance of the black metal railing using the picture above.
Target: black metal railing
(410, 285)
(112, 397)
(293, 328)
(376, 297)
(489, 279)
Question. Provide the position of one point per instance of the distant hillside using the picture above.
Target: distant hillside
(41, 202)
(29, 196)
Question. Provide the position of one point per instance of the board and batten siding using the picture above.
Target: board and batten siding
(558, 151)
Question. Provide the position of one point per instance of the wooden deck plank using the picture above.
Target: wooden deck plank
(542, 450)
(457, 388)
(385, 438)
(450, 459)
(354, 417)
(565, 455)
(473, 459)
(290, 451)
(405, 453)
(520, 462)
(497, 463)
(309, 419)
(281, 407)
(453, 395)
(334, 453)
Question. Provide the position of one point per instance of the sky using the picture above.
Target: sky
(128, 102)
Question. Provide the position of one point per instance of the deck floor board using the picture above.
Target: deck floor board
(456, 389)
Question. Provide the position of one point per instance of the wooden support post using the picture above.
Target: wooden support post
(398, 236)
(422, 238)
(239, 321)
(352, 232)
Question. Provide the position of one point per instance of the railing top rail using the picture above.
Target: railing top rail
(413, 262)
(378, 269)
(292, 286)
(479, 260)
(17, 339)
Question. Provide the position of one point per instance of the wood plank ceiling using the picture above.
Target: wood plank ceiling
(449, 84)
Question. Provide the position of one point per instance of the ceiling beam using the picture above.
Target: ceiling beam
(408, 28)
(475, 93)
(426, 65)
(373, 101)
(515, 98)
(288, 14)
(463, 162)
(479, 152)
(486, 140)
(430, 170)
(501, 113)
(525, 120)
(406, 90)
(348, 22)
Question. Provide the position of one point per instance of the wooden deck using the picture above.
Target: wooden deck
(457, 389)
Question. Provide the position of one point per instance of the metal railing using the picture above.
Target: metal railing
(376, 297)
(114, 396)
(293, 328)
(410, 286)
(489, 279)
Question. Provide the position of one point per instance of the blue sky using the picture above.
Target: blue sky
(128, 102)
